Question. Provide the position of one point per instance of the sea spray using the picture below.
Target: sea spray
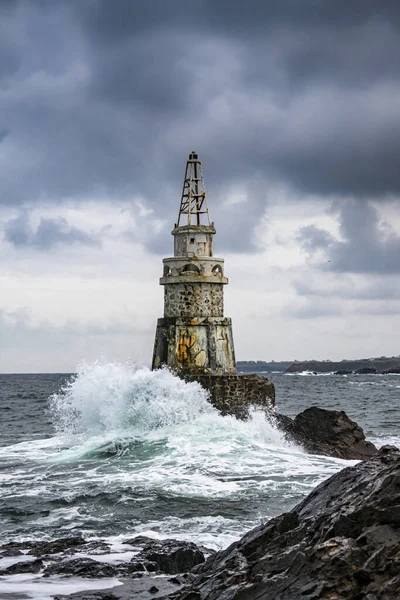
(113, 397)
(135, 451)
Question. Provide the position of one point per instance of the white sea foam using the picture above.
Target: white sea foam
(128, 437)
(106, 397)
(39, 588)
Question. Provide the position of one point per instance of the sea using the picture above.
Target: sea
(115, 451)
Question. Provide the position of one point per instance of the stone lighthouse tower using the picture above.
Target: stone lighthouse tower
(194, 338)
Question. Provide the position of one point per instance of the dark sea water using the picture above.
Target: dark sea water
(114, 452)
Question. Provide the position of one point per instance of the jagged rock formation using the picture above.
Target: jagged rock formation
(342, 542)
(327, 432)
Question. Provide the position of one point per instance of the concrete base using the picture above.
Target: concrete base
(195, 346)
(235, 394)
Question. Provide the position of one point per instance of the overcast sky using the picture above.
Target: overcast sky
(294, 109)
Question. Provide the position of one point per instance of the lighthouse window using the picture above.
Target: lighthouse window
(190, 268)
(216, 270)
(192, 240)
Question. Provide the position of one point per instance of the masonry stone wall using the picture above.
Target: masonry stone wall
(195, 345)
(193, 300)
(235, 394)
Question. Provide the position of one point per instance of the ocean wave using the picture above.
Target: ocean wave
(311, 374)
(104, 397)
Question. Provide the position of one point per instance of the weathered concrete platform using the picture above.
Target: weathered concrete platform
(235, 394)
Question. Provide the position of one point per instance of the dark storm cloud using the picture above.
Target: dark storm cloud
(367, 246)
(48, 233)
(105, 97)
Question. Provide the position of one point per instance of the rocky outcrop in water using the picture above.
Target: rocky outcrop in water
(342, 542)
(327, 432)
(172, 556)
(68, 557)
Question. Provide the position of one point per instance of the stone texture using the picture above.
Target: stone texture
(342, 542)
(328, 432)
(81, 567)
(195, 346)
(235, 394)
(194, 240)
(31, 566)
(172, 556)
(188, 300)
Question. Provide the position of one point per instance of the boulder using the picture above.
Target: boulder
(342, 542)
(327, 432)
(81, 567)
(367, 371)
(172, 556)
(31, 566)
(11, 552)
(55, 546)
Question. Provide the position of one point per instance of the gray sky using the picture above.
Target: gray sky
(294, 109)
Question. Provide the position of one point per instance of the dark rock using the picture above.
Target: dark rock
(172, 556)
(11, 552)
(17, 545)
(31, 566)
(137, 589)
(55, 546)
(137, 565)
(94, 547)
(328, 432)
(81, 567)
(394, 371)
(380, 364)
(95, 595)
(366, 371)
(139, 540)
(342, 542)
(343, 372)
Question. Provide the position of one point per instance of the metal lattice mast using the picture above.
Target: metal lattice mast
(193, 200)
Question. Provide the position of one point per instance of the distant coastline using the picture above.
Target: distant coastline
(343, 367)
(260, 366)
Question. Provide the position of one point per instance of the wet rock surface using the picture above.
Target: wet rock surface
(81, 567)
(171, 556)
(41, 548)
(342, 542)
(327, 432)
(26, 566)
(146, 575)
(146, 588)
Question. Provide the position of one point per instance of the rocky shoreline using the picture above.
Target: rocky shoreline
(327, 432)
(373, 366)
(341, 542)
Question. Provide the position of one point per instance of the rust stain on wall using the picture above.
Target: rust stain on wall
(185, 342)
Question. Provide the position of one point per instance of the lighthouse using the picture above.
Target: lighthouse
(194, 338)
